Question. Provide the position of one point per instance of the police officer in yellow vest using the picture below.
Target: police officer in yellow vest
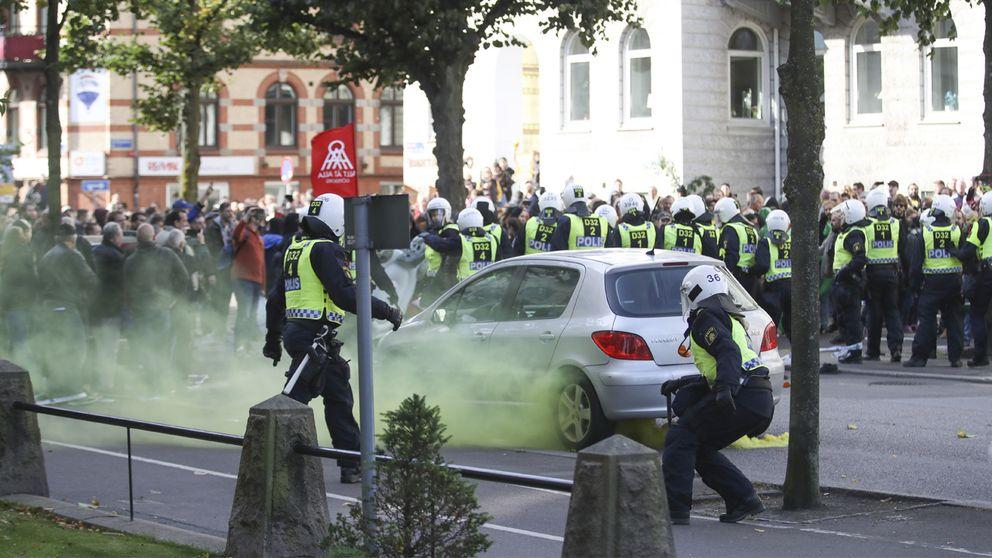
(738, 243)
(440, 271)
(731, 397)
(578, 228)
(704, 220)
(540, 228)
(773, 262)
(682, 234)
(935, 272)
(314, 291)
(978, 251)
(490, 222)
(634, 229)
(473, 250)
(885, 244)
(846, 290)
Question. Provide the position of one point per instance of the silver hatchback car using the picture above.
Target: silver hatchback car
(599, 328)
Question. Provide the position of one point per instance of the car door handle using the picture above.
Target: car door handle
(546, 336)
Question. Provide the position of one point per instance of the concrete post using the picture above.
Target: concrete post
(280, 507)
(618, 506)
(22, 463)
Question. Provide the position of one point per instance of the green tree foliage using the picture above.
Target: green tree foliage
(430, 42)
(197, 40)
(425, 508)
(928, 14)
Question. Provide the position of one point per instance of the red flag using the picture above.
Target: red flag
(332, 162)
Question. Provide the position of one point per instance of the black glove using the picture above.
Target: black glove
(272, 348)
(725, 400)
(395, 317)
(671, 386)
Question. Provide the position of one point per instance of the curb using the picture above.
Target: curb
(121, 524)
(917, 375)
(862, 493)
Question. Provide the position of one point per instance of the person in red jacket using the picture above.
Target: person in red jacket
(248, 274)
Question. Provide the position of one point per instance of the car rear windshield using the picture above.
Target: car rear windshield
(654, 291)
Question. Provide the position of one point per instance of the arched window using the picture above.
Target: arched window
(13, 119)
(208, 119)
(339, 107)
(637, 74)
(941, 69)
(820, 48)
(280, 116)
(577, 61)
(747, 60)
(866, 74)
(391, 117)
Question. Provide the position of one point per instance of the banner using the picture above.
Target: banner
(332, 163)
(89, 97)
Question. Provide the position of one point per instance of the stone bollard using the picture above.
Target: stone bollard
(21, 460)
(618, 506)
(280, 506)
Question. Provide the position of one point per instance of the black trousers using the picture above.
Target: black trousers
(980, 299)
(941, 292)
(883, 306)
(746, 280)
(776, 299)
(337, 395)
(846, 299)
(695, 444)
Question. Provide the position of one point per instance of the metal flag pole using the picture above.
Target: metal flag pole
(365, 396)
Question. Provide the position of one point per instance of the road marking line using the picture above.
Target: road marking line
(331, 495)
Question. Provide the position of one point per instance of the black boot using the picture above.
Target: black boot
(873, 357)
(351, 475)
(853, 357)
(896, 356)
(751, 506)
(914, 363)
(975, 363)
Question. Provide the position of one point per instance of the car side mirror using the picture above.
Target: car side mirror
(439, 315)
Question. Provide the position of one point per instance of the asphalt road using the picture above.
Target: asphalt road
(878, 434)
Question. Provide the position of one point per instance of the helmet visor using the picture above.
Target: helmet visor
(435, 217)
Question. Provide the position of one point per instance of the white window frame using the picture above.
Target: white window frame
(856, 116)
(567, 61)
(928, 113)
(763, 79)
(628, 54)
(222, 192)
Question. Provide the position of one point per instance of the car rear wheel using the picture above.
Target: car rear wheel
(579, 419)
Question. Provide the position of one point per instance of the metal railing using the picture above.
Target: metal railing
(475, 473)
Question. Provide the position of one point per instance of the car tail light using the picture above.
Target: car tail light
(769, 340)
(622, 345)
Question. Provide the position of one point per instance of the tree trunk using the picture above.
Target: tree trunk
(189, 148)
(53, 123)
(449, 116)
(987, 115)
(800, 90)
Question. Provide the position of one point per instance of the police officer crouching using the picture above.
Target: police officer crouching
(305, 307)
(885, 243)
(773, 260)
(578, 229)
(730, 397)
(935, 272)
(634, 230)
(682, 235)
(473, 249)
(846, 292)
(978, 249)
(540, 228)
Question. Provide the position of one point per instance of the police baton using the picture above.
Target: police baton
(668, 408)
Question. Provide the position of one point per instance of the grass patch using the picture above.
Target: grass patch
(34, 533)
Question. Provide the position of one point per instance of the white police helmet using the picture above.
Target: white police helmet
(329, 208)
(607, 212)
(778, 220)
(573, 193)
(726, 209)
(943, 204)
(631, 203)
(985, 205)
(551, 200)
(483, 201)
(698, 205)
(701, 283)
(438, 211)
(926, 217)
(469, 218)
(877, 197)
(851, 210)
(683, 204)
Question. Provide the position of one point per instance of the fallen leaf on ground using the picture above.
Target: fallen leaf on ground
(759, 530)
(852, 426)
(962, 434)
